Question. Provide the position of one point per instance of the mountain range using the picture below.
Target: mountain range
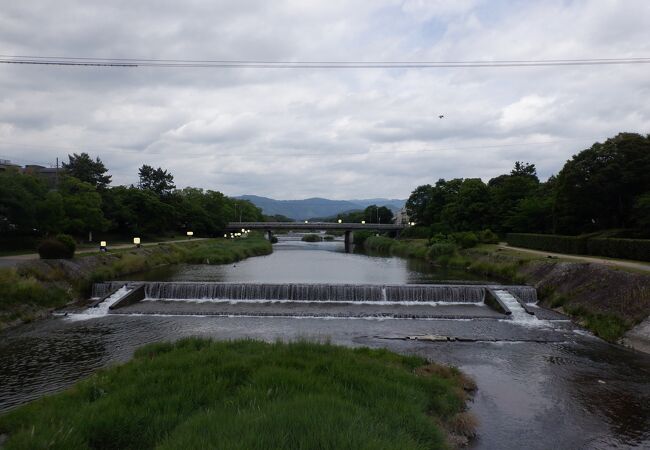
(317, 207)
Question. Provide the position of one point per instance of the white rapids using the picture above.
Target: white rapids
(100, 310)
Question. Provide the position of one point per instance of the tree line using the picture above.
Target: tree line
(604, 187)
(82, 202)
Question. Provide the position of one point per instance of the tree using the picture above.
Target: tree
(158, 181)
(417, 203)
(378, 214)
(523, 169)
(82, 206)
(470, 210)
(598, 188)
(83, 168)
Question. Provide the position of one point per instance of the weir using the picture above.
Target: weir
(454, 293)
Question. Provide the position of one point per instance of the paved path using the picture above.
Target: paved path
(12, 260)
(593, 259)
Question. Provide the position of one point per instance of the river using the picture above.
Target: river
(541, 385)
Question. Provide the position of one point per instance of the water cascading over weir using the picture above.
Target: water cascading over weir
(318, 300)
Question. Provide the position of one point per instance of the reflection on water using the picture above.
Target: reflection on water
(324, 262)
(564, 391)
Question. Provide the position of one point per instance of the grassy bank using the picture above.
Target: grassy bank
(252, 395)
(606, 301)
(406, 248)
(38, 286)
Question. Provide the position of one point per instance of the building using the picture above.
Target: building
(401, 217)
(6, 165)
(48, 174)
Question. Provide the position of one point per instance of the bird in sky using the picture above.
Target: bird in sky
(441, 116)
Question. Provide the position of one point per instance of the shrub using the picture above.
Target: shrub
(274, 240)
(359, 237)
(488, 237)
(638, 249)
(328, 237)
(311, 238)
(465, 239)
(439, 249)
(68, 241)
(54, 249)
(416, 232)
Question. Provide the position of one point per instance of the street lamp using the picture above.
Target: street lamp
(190, 234)
(363, 222)
(412, 224)
(340, 221)
(103, 246)
(136, 242)
(306, 221)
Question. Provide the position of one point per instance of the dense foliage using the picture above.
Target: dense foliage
(606, 186)
(82, 202)
(638, 249)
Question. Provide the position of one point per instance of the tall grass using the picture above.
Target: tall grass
(20, 297)
(197, 394)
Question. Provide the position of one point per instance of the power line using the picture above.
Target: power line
(268, 64)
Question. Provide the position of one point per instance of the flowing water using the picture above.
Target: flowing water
(542, 383)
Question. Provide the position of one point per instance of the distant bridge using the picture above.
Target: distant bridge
(268, 227)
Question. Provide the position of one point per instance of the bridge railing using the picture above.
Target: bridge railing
(312, 226)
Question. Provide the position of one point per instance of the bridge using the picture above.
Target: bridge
(348, 228)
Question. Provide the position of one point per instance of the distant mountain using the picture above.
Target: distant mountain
(316, 207)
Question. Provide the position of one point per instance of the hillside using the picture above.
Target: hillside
(316, 207)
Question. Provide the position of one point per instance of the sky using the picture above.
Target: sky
(335, 133)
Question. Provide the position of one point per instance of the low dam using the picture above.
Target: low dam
(312, 300)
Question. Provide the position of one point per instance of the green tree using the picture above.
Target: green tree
(85, 169)
(598, 188)
(471, 208)
(158, 181)
(418, 202)
(378, 214)
(506, 193)
(82, 206)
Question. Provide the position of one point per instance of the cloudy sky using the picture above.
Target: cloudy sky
(296, 133)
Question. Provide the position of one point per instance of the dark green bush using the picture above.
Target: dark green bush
(416, 232)
(465, 239)
(488, 237)
(54, 249)
(549, 242)
(439, 249)
(311, 238)
(68, 241)
(638, 249)
(359, 237)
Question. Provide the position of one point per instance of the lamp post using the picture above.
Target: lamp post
(103, 247)
(190, 234)
(340, 221)
(363, 222)
(136, 242)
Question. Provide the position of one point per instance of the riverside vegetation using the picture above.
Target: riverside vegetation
(252, 395)
(36, 287)
(608, 302)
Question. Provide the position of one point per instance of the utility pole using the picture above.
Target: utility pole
(56, 175)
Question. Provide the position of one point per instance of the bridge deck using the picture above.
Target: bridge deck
(312, 226)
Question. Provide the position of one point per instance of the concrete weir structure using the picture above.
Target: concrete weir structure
(348, 228)
(315, 300)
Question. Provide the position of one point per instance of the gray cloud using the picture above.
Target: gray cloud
(299, 133)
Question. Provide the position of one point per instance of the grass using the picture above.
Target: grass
(407, 248)
(31, 290)
(21, 298)
(251, 395)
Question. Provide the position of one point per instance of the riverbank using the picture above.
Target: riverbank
(607, 301)
(253, 395)
(35, 288)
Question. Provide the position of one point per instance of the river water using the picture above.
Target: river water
(542, 384)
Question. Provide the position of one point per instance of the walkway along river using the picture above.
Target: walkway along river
(542, 383)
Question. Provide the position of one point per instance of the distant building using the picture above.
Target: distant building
(6, 165)
(49, 174)
(401, 217)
